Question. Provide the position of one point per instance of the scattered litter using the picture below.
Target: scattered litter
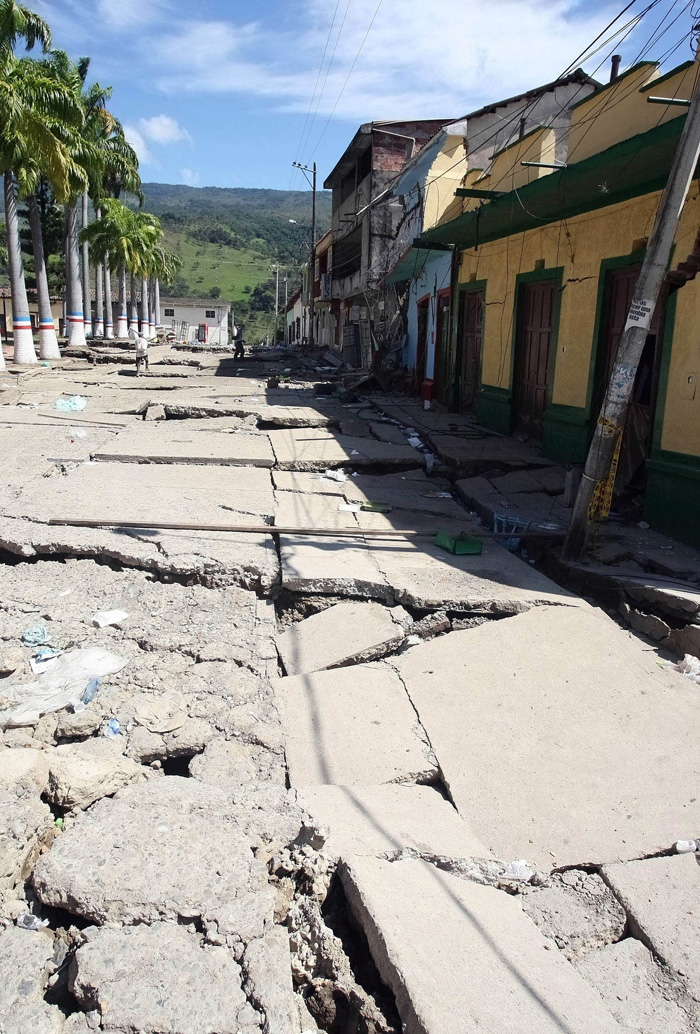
(59, 824)
(686, 846)
(44, 658)
(690, 667)
(437, 495)
(334, 475)
(31, 922)
(112, 729)
(78, 432)
(77, 706)
(518, 870)
(644, 525)
(429, 461)
(410, 430)
(349, 507)
(461, 544)
(74, 404)
(57, 688)
(90, 691)
(45, 363)
(354, 452)
(109, 617)
(66, 592)
(503, 523)
(369, 507)
(160, 716)
(415, 442)
(36, 635)
(412, 640)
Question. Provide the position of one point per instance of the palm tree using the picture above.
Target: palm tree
(33, 109)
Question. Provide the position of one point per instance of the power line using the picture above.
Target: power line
(347, 78)
(328, 69)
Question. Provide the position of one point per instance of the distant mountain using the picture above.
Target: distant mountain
(229, 238)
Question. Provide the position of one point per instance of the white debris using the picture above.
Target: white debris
(686, 846)
(518, 870)
(690, 667)
(109, 617)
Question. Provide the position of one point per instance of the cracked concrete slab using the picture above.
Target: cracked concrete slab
(331, 566)
(488, 971)
(660, 897)
(160, 444)
(387, 819)
(314, 449)
(82, 773)
(571, 723)
(192, 987)
(306, 483)
(181, 854)
(27, 959)
(352, 725)
(344, 634)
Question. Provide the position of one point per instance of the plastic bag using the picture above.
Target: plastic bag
(58, 687)
(74, 404)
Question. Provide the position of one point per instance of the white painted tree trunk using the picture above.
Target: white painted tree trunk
(134, 310)
(109, 318)
(99, 301)
(144, 307)
(21, 321)
(48, 342)
(122, 321)
(74, 294)
(152, 307)
(87, 301)
(159, 321)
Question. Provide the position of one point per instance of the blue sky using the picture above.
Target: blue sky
(219, 92)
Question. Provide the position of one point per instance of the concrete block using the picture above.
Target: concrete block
(344, 634)
(385, 819)
(165, 445)
(463, 958)
(26, 962)
(81, 773)
(637, 991)
(660, 897)
(547, 727)
(336, 566)
(316, 449)
(352, 725)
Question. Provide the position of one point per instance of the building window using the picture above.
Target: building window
(169, 312)
(210, 314)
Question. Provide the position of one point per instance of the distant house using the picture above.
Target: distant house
(207, 318)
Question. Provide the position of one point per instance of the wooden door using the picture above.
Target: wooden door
(620, 289)
(536, 311)
(470, 328)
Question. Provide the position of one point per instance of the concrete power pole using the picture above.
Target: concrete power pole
(277, 300)
(611, 421)
(312, 246)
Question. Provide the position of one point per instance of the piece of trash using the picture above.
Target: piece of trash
(335, 475)
(644, 525)
(349, 507)
(518, 870)
(56, 688)
(77, 706)
(690, 667)
(686, 846)
(437, 495)
(44, 658)
(59, 823)
(109, 617)
(74, 404)
(28, 921)
(429, 461)
(513, 528)
(412, 640)
(369, 507)
(112, 728)
(90, 691)
(45, 363)
(78, 432)
(461, 544)
(415, 442)
(36, 635)
(66, 592)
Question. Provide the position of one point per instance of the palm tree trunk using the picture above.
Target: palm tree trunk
(48, 342)
(152, 306)
(99, 301)
(109, 317)
(144, 307)
(74, 294)
(122, 322)
(21, 321)
(87, 301)
(134, 313)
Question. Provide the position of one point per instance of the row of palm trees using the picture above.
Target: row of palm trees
(57, 130)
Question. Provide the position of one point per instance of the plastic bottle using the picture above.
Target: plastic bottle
(90, 690)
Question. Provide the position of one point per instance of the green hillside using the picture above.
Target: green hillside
(230, 238)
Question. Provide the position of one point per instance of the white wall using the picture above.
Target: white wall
(217, 333)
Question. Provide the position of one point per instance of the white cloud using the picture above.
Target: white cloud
(190, 177)
(420, 59)
(137, 141)
(128, 15)
(162, 129)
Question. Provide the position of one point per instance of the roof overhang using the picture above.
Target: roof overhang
(413, 262)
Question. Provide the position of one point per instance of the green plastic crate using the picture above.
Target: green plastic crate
(460, 545)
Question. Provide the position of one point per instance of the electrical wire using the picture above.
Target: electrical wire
(328, 69)
(347, 78)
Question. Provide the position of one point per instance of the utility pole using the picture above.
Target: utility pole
(312, 246)
(277, 299)
(611, 422)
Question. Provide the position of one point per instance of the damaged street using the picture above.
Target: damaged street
(331, 778)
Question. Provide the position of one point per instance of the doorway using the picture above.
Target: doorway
(422, 343)
(470, 342)
(637, 439)
(533, 346)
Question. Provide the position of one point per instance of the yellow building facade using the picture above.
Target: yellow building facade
(545, 263)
